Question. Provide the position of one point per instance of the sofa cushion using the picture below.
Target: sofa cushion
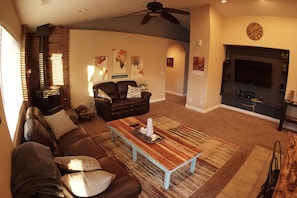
(36, 132)
(77, 163)
(109, 88)
(102, 94)
(123, 87)
(73, 142)
(119, 105)
(60, 123)
(34, 112)
(86, 184)
(137, 102)
(133, 92)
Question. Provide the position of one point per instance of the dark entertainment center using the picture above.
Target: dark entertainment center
(255, 78)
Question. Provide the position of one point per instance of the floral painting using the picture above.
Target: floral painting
(136, 67)
(119, 61)
(101, 68)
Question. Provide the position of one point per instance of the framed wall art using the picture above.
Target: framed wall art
(170, 62)
(119, 61)
(101, 67)
(136, 67)
(198, 64)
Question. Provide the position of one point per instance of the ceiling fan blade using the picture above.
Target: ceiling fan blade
(170, 17)
(146, 19)
(134, 13)
(176, 11)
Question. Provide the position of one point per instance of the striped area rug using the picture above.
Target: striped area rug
(183, 183)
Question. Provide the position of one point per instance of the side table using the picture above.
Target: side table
(285, 117)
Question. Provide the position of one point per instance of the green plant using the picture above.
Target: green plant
(143, 84)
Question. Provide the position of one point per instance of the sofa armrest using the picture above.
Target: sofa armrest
(146, 95)
(102, 100)
(103, 108)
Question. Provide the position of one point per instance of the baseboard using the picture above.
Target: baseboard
(200, 110)
(249, 113)
(157, 100)
(175, 93)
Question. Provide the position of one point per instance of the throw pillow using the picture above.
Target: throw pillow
(60, 123)
(133, 92)
(87, 184)
(102, 94)
(77, 163)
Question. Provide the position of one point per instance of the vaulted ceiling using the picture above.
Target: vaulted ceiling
(68, 12)
(108, 14)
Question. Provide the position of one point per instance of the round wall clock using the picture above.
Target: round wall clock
(254, 31)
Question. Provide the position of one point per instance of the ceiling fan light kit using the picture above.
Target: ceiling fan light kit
(154, 14)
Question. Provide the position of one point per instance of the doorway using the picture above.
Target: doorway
(177, 73)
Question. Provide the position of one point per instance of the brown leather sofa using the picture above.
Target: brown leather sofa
(79, 142)
(119, 106)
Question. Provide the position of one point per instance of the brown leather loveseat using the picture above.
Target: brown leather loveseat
(75, 142)
(113, 100)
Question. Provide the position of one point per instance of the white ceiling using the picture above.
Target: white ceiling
(67, 12)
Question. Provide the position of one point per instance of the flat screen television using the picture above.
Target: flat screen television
(253, 72)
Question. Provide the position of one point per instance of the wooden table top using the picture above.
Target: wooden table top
(171, 152)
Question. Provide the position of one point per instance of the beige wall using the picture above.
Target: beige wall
(9, 19)
(216, 57)
(278, 33)
(198, 81)
(204, 88)
(6, 148)
(85, 44)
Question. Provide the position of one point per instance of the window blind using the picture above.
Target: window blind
(10, 78)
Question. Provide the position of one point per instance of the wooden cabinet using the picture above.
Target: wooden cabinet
(255, 105)
(241, 93)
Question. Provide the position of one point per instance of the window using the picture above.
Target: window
(10, 78)
(57, 69)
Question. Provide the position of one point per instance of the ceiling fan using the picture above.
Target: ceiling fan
(155, 9)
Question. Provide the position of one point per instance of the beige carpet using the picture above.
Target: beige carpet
(216, 152)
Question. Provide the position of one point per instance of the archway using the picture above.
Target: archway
(176, 71)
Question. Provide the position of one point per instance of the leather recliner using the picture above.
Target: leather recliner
(119, 106)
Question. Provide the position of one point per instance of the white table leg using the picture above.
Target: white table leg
(193, 164)
(134, 154)
(167, 179)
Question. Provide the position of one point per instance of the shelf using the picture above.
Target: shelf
(254, 105)
(291, 119)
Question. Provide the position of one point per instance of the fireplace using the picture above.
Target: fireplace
(49, 99)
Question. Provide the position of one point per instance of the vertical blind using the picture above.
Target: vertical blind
(10, 78)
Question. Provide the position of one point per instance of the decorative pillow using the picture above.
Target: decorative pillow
(133, 92)
(102, 94)
(60, 123)
(87, 184)
(77, 163)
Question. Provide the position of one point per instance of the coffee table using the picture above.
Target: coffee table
(169, 154)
